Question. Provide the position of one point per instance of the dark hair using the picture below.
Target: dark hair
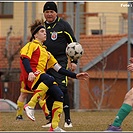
(36, 26)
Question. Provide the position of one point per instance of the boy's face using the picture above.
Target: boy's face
(41, 35)
(50, 15)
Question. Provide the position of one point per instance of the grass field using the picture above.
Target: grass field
(82, 121)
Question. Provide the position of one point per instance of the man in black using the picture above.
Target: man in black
(59, 35)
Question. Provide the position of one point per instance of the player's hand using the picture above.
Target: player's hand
(131, 59)
(82, 76)
(31, 76)
(130, 67)
(73, 67)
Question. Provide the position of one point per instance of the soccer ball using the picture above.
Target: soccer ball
(74, 50)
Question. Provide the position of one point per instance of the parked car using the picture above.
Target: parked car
(7, 105)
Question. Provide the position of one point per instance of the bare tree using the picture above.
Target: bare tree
(103, 88)
(10, 52)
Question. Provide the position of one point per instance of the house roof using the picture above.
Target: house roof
(95, 46)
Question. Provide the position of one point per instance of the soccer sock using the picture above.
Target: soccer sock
(20, 106)
(49, 102)
(66, 110)
(39, 93)
(56, 113)
(43, 105)
(66, 107)
(121, 115)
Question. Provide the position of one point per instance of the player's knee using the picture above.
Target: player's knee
(129, 94)
(56, 93)
(60, 97)
(49, 81)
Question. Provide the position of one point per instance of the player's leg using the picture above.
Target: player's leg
(42, 103)
(57, 110)
(39, 92)
(57, 107)
(20, 105)
(66, 106)
(66, 109)
(50, 100)
(62, 82)
(123, 112)
(41, 87)
(21, 100)
(49, 103)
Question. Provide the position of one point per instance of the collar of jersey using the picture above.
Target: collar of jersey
(54, 23)
(36, 41)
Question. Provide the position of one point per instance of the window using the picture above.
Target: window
(6, 9)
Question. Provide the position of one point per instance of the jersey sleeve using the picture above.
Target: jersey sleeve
(27, 50)
(69, 33)
(51, 61)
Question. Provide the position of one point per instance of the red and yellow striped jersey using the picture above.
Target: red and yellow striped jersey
(40, 59)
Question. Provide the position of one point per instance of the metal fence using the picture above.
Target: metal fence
(99, 23)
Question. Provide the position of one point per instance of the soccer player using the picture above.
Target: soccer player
(59, 35)
(34, 61)
(24, 92)
(125, 108)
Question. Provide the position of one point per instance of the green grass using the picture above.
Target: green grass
(82, 121)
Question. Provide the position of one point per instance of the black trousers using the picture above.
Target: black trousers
(62, 83)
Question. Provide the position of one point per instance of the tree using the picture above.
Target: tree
(103, 89)
(10, 52)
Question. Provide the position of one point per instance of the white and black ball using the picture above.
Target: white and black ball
(74, 50)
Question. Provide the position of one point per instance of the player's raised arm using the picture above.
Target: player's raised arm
(61, 70)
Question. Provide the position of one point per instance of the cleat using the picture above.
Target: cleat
(47, 125)
(57, 129)
(48, 117)
(29, 112)
(112, 128)
(68, 123)
(19, 117)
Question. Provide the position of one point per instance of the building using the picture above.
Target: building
(106, 16)
(103, 25)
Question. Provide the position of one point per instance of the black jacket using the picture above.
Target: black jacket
(59, 35)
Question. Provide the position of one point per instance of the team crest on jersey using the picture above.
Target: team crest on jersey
(54, 35)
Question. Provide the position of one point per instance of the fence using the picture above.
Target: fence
(99, 23)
